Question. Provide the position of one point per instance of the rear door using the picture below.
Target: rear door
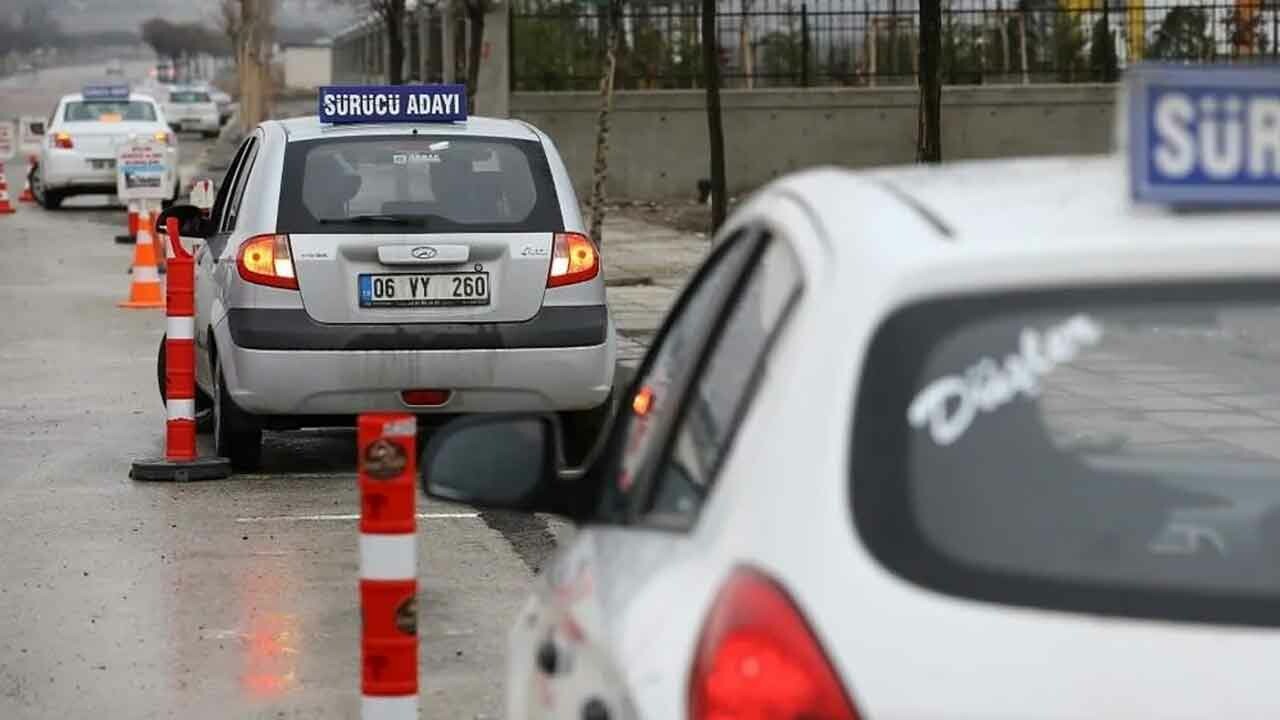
(414, 228)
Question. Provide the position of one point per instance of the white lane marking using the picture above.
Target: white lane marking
(315, 518)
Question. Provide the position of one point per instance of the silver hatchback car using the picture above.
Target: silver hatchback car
(432, 268)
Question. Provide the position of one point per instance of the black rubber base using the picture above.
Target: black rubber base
(124, 239)
(205, 468)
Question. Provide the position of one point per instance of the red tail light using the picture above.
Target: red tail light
(425, 397)
(265, 260)
(574, 259)
(62, 140)
(758, 660)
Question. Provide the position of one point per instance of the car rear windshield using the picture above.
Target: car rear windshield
(109, 110)
(190, 97)
(418, 183)
(1112, 450)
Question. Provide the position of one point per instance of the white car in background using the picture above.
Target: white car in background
(987, 441)
(78, 155)
(192, 109)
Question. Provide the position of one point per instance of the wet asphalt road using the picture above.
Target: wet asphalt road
(234, 598)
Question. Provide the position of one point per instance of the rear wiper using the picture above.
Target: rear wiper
(377, 219)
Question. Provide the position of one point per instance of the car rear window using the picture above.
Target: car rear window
(109, 110)
(1115, 450)
(417, 183)
(189, 97)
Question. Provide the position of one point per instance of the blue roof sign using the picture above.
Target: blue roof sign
(105, 92)
(1205, 136)
(392, 104)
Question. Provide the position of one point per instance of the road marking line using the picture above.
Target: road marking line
(355, 516)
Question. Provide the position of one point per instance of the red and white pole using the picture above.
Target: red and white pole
(388, 566)
(180, 351)
(180, 461)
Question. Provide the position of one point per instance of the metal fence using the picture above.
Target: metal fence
(559, 44)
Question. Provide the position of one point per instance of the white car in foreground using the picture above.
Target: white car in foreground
(990, 441)
(78, 156)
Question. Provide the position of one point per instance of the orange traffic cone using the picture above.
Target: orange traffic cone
(6, 208)
(26, 195)
(145, 291)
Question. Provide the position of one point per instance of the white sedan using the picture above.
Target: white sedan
(984, 442)
(78, 156)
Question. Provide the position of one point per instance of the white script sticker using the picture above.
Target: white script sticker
(949, 405)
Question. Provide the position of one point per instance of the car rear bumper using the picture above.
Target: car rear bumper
(207, 124)
(317, 369)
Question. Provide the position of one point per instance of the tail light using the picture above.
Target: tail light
(758, 660)
(573, 259)
(62, 140)
(164, 137)
(265, 260)
(427, 398)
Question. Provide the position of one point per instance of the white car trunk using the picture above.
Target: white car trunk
(98, 140)
(329, 268)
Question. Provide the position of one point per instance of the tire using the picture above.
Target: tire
(236, 436)
(581, 428)
(204, 404)
(45, 198)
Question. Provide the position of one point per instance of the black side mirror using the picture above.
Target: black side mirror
(503, 461)
(191, 221)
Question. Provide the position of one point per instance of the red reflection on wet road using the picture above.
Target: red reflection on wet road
(272, 634)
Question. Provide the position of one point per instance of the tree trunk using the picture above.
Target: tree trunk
(715, 127)
(475, 16)
(393, 18)
(929, 129)
(601, 172)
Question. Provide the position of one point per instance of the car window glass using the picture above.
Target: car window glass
(667, 372)
(228, 183)
(109, 111)
(237, 193)
(726, 384)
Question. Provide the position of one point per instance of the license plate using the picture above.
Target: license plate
(424, 289)
(103, 164)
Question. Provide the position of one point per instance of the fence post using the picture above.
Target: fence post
(804, 45)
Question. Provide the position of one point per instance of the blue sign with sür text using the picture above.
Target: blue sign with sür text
(1205, 136)
(353, 104)
(105, 92)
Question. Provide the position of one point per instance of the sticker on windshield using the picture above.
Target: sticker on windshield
(415, 158)
(950, 404)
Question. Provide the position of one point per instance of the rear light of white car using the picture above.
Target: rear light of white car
(266, 260)
(164, 137)
(62, 141)
(574, 259)
(425, 398)
(758, 659)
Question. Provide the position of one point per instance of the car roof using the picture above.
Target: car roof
(981, 207)
(310, 128)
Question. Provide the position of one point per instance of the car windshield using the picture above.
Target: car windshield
(438, 184)
(189, 97)
(1062, 446)
(109, 110)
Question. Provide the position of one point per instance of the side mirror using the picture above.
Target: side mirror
(503, 461)
(191, 221)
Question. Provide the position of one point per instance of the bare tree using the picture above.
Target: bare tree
(715, 124)
(929, 129)
(475, 11)
(229, 23)
(607, 77)
(392, 14)
(254, 60)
